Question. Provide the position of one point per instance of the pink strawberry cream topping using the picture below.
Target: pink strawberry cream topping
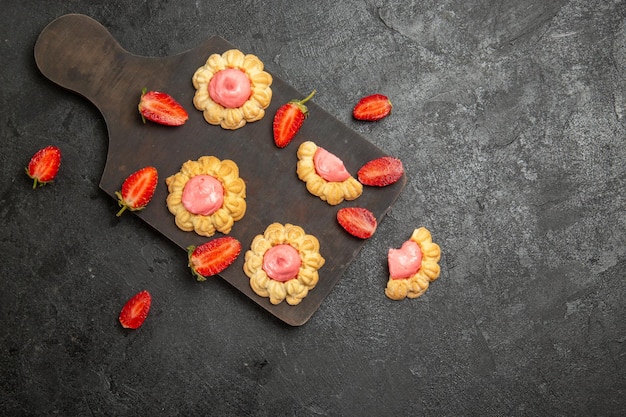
(203, 195)
(406, 261)
(230, 88)
(329, 166)
(282, 262)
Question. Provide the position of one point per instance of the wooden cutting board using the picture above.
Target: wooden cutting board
(79, 54)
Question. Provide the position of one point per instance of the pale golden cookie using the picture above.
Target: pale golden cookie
(293, 290)
(234, 204)
(417, 284)
(260, 95)
(333, 192)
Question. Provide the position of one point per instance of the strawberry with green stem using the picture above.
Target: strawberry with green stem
(213, 257)
(289, 119)
(161, 108)
(137, 189)
(44, 165)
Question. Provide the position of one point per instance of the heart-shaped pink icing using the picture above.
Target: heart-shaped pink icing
(405, 261)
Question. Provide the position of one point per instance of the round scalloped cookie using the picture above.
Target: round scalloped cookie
(233, 203)
(417, 284)
(278, 290)
(228, 115)
(333, 192)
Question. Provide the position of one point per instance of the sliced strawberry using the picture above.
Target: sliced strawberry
(372, 108)
(44, 165)
(136, 310)
(381, 171)
(289, 119)
(161, 108)
(357, 221)
(137, 189)
(213, 257)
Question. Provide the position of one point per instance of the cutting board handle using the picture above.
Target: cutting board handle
(78, 53)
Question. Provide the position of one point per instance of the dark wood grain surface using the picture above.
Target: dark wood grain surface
(79, 54)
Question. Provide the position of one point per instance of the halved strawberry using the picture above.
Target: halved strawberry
(135, 310)
(161, 108)
(137, 189)
(381, 171)
(357, 221)
(44, 165)
(289, 119)
(371, 108)
(213, 257)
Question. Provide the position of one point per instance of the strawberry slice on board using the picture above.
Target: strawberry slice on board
(371, 108)
(135, 310)
(381, 172)
(161, 108)
(289, 119)
(358, 221)
(137, 189)
(213, 257)
(44, 165)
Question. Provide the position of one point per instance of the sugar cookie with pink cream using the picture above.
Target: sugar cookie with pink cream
(283, 263)
(207, 196)
(325, 175)
(413, 267)
(232, 89)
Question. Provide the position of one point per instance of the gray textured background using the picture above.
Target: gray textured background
(509, 118)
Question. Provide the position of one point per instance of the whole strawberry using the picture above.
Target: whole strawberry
(44, 165)
(371, 108)
(289, 119)
(161, 108)
(213, 257)
(137, 189)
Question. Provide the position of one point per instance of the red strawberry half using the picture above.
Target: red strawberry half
(213, 257)
(44, 165)
(137, 189)
(289, 119)
(136, 310)
(372, 108)
(161, 108)
(357, 221)
(381, 171)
